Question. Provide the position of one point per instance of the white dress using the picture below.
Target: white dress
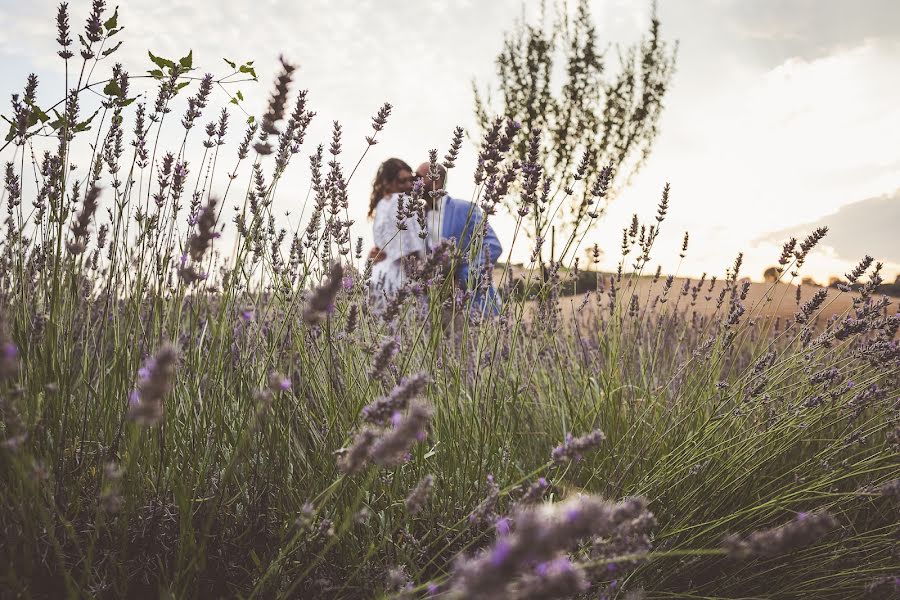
(388, 275)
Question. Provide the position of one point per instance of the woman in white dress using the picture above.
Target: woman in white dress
(394, 244)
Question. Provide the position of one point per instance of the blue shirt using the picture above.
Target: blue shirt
(461, 220)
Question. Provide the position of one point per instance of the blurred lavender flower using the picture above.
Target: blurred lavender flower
(391, 447)
(574, 448)
(9, 354)
(355, 458)
(485, 512)
(535, 492)
(556, 578)
(419, 495)
(379, 411)
(155, 381)
(321, 301)
(277, 103)
(110, 496)
(383, 358)
(540, 536)
(200, 241)
(805, 529)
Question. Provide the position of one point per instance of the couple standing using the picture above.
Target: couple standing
(400, 234)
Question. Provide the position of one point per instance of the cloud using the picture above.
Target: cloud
(870, 226)
(810, 29)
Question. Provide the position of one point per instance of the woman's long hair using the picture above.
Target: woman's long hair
(387, 173)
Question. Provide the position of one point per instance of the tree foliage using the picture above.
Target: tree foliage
(556, 80)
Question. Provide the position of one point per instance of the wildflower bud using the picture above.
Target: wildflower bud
(380, 119)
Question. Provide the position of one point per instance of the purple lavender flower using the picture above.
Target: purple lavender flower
(321, 300)
(83, 221)
(391, 447)
(356, 458)
(155, 382)
(9, 360)
(419, 495)
(485, 512)
(805, 529)
(535, 492)
(379, 411)
(541, 535)
(574, 448)
(383, 357)
(556, 578)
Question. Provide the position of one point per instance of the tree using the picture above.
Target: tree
(809, 281)
(590, 120)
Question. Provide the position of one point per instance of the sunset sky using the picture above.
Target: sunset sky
(783, 114)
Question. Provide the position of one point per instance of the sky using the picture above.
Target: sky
(783, 115)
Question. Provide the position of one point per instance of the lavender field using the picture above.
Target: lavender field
(198, 400)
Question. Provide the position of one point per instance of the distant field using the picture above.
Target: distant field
(782, 303)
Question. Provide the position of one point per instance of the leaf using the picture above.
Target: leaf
(182, 85)
(59, 122)
(246, 69)
(230, 64)
(37, 114)
(127, 102)
(11, 134)
(84, 42)
(233, 101)
(156, 73)
(109, 51)
(188, 60)
(161, 62)
(249, 63)
(112, 88)
(250, 120)
(111, 22)
(85, 125)
(240, 96)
